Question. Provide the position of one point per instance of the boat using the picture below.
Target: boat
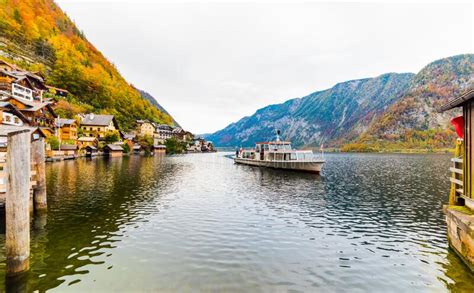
(279, 154)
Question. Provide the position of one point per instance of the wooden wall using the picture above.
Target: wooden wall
(468, 163)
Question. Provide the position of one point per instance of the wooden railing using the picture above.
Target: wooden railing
(456, 179)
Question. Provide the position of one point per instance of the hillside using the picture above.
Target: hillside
(155, 103)
(392, 111)
(343, 111)
(38, 36)
(413, 121)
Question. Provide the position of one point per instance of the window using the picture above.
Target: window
(17, 120)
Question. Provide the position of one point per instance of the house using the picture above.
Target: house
(86, 141)
(460, 210)
(67, 129)
(39, 114)
(127, 136)
(159, 149)
(21, 84)
(162, 133)
(188, 136)
(36, 133)
(10, 115)
(179, 133)
(113, 150)
(145, 127)
(90, 151)
(65, 152)
(94, 125)
(70, 151)
(137, 149)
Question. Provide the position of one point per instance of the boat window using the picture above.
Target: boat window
(293, 156)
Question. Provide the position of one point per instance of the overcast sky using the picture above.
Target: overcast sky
(210, 64)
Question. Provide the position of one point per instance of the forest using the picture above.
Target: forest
(38, 36)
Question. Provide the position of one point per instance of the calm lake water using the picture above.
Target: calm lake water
(198, 222)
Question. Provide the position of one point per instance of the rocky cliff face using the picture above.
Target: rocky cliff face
(432, 87)
(341, 112)
(391, 110)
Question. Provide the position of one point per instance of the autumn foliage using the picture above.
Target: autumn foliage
(40, 37)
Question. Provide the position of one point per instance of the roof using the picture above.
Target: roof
(164, 126)
(137, 147)
(458, 101)
(68, 147)
(128, 135)
(57, 89)
(97, 120)
(87, 138)
(91, 147)
(160, 146)
(11, 108)
(6, 129)
(27, 74)
(114, 147)
(62, 121)
(178, 130)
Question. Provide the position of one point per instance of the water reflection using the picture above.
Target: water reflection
(199, 222)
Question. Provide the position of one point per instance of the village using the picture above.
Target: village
(27, 103)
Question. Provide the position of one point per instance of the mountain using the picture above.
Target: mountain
(343, 111)
(389, 111)
(413, 121)
(155, 103)
(36, 35)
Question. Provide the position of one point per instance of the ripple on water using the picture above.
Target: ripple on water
(199, 222)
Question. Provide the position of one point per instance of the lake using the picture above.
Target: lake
(197, 222)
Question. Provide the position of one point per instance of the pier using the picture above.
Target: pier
(460, 210)
(23, 191)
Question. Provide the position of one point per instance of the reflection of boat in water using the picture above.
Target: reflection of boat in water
(280, 155)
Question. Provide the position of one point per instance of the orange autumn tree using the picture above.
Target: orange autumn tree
(40, 37)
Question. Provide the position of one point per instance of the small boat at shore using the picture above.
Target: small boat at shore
(280, 155)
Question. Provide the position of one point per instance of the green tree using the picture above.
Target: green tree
(53, 141)
(111, 137)
(146, 142)
(174, 146)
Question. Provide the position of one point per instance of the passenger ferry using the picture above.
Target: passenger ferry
(280, 155)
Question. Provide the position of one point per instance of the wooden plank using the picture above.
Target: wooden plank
(456, 181)
(455, 170)
(456, 160)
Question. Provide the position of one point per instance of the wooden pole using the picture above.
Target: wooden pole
(38, 160)
(17, 214)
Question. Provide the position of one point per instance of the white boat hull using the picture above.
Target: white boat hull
(313, 166)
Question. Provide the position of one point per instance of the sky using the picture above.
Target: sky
(210, 64)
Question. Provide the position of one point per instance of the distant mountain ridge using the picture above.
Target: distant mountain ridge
(147, 96)
(393, 107)
(320, 117)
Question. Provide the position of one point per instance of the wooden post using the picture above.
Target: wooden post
(17, 214)
(38, 160)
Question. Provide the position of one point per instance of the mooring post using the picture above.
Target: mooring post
(17, 213)
(38, 160)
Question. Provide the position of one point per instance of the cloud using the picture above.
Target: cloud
(212, 63)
